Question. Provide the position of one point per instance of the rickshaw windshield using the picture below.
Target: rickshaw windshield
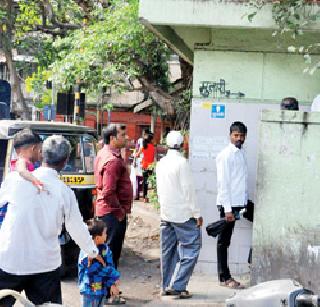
(82, 153)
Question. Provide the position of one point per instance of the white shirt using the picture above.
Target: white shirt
(315, 107)
(29, 233)
(232, 178)
(175, 189)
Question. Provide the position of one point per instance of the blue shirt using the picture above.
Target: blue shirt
(3, 211)
(95, 280)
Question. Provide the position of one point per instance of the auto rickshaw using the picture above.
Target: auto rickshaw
(77, 174)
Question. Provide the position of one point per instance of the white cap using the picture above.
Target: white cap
(174, 139)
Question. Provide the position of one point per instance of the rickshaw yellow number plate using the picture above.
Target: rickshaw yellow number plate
(77, 179)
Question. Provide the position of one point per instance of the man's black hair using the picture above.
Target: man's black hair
(239, 127)
(111, 130)
(96, 227)
(25, 137)
(289, 103)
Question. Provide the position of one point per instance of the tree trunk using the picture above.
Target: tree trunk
(18, 103)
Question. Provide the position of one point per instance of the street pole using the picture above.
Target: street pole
(76, 114)
(52, 101)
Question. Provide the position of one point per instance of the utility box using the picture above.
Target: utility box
(286, 229)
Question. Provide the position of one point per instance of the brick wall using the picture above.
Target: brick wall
(134, 122)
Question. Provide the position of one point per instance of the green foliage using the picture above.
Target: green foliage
(35, 84)
(29, 16)
(110, 51)
(182, 107)
(152, 181)
(293, 16)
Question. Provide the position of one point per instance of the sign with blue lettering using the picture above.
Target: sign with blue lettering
(218, 110)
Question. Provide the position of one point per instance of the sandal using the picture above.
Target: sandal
(169, 292)
(116, 300)
(185, 294)
(232, 284)
(181, 294)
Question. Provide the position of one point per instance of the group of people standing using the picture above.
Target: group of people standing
(38, 205)
(181, 221)
(144, 157)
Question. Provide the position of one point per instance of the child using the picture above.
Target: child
(27, 145)
(28, 149)
(94, 278)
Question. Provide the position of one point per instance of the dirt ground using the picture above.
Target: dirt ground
(139, 263)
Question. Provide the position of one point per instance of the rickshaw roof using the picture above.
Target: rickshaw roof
(9, 127)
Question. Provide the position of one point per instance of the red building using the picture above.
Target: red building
(135, 123)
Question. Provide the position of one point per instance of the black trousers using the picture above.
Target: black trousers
(146, 174)
(115, 235)
(39, 288)
(223, 243)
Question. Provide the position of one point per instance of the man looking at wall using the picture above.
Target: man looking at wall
(180, 228)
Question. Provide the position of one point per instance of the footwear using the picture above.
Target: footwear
(184, 294)
(146, 200)
(232, 284)
(169, 292)
(116, 300)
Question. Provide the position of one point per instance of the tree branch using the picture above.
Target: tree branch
(56, 27)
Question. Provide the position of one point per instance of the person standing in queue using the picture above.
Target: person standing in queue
(114, 189)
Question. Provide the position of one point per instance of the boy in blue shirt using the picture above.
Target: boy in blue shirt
(95, 280)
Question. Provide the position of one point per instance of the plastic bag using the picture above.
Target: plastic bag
(133, 179)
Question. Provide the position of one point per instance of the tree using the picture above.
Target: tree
(294, 16)
(7, 16)
(113, 50)
(26, 22)
(100, 42)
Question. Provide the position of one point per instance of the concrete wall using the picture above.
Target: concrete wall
(286, 237)
(262, 76)
(265, 78)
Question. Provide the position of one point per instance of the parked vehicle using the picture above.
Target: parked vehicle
(275, 293)
(78, 172)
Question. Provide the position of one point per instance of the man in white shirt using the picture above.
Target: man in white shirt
(315, 107)
(30, 250)
(232, 185)
(180, 219)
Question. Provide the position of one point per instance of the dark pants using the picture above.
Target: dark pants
(115, 235)
(39, 288)
(223, 243)
(146, 174)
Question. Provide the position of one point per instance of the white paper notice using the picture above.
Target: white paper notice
(203, 147)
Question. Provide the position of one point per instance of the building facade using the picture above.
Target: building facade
(239, 69)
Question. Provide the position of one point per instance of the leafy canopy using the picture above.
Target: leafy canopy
(111, 50)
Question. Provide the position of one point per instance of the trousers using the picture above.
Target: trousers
(180, 248)
(116, 231)
(39, 288)
(223, 243)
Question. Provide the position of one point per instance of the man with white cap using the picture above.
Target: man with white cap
(180, 232)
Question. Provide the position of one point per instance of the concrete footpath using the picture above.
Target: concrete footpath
(206, 292)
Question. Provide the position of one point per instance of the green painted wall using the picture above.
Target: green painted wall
(286, 232)
(261, 76)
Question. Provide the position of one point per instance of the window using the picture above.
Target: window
(89, 153)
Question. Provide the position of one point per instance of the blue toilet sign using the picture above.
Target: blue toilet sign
(218, 110)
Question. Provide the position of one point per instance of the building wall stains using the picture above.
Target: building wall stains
(286, 230)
